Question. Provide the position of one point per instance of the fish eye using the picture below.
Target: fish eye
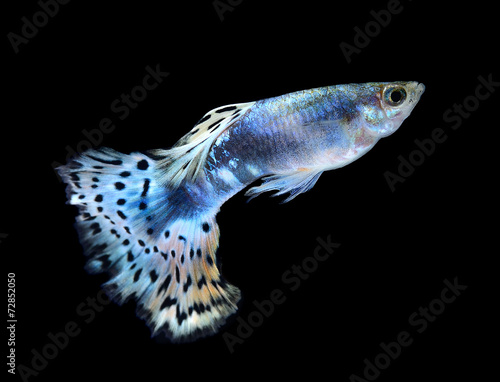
(395, 96)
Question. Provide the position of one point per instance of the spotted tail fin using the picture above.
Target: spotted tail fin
(156, 247)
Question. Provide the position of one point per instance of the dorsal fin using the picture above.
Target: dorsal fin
(214, 122)
(295, 182)
(187, 157)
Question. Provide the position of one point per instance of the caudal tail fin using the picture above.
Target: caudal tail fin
(136, 228)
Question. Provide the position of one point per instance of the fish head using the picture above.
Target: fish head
(387, 104)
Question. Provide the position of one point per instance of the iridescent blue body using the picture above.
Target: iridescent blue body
(148, 219)
(324, 127)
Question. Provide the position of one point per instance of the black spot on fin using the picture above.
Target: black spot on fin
(184, 161)
(132, 232)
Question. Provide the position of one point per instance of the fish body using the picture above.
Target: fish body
(148, 219)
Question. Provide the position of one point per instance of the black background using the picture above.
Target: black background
(396, 247)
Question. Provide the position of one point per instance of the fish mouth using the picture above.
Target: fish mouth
(420, 89)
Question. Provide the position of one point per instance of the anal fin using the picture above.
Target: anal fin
(293, 182)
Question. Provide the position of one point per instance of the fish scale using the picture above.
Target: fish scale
(149, 219)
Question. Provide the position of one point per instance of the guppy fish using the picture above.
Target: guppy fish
(148, 219)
